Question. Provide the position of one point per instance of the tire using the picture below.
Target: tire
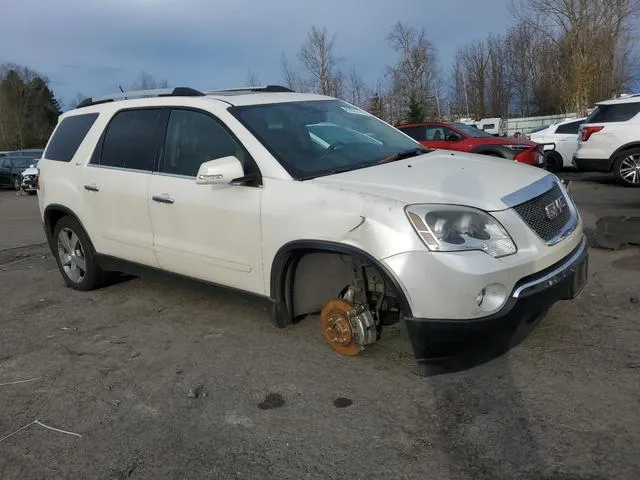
(554, 162)
(626, 167)
(76, 256)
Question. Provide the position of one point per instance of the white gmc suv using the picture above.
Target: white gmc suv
(609, 140)
(313, 205)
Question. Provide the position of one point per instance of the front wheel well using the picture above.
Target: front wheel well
(307, 274)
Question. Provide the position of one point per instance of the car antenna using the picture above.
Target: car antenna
(120, 87)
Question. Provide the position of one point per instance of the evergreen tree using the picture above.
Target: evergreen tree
(375, 106)
(416, 112)
(28, 110)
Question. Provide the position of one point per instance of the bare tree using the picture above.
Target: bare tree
(474, 61)
(414, 75)
(357, 91)
(591, 40)
(252, 79)
(290, 75)
(146, 81)
(319, 60)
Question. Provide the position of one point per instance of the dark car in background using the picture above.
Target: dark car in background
(11, 168)
(465, 138)
(27, 152)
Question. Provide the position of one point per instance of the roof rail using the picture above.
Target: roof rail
(157, 92)
(265, 88)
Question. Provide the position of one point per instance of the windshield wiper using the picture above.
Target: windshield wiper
(413, 152)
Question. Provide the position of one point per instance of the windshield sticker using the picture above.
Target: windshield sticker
(355, 111)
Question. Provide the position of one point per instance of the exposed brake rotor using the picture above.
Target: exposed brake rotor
(336, 327)
(346, 327)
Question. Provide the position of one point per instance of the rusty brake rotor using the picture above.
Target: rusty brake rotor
(336, 327)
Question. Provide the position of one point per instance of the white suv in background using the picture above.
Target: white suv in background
(564, 135)
(609, 140)
(313, 205)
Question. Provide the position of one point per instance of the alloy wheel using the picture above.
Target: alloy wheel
(71, 255)
(630, 169)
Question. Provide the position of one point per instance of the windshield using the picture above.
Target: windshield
(314, 138)
(21, 162)
(471, 131)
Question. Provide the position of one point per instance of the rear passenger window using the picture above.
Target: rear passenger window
(417, 133)
(130, 139)
(617, 112)
(570, 128)
(68, 136)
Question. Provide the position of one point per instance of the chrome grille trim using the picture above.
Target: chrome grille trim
(531, 209)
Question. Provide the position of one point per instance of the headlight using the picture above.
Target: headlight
(449, 228)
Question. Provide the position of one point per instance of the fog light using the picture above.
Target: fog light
(492, 297)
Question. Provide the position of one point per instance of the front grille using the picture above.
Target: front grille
(534, 214)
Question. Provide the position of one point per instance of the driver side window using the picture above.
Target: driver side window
(440, 132)
(194, 138)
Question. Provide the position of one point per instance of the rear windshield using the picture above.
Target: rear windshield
(68, 137)
(618, 112)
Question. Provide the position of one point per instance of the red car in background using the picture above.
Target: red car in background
(465, 138)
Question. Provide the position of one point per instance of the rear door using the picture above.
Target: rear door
(209, 232)
(417, 132)
(116, 184)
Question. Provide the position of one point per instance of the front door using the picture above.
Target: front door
(115, 185)
(441, 137)
(210, 232)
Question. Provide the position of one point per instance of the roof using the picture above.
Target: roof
(231, 96)
(632, 98)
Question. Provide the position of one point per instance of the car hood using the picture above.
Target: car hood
(30, 171)
(456, 178)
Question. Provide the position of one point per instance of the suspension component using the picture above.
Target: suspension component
(346, 327)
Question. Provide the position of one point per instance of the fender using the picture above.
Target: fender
(48, 212)
(493, 150)
(626, 146)
(286, 256)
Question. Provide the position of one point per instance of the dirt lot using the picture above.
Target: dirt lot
(154, 379)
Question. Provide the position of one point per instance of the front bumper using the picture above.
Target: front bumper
(434, 340)
(28, 183)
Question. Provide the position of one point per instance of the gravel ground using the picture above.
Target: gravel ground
(150, 378)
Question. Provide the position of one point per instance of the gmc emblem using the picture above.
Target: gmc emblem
(555, 208)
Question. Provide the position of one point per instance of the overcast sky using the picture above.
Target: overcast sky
(93, 46)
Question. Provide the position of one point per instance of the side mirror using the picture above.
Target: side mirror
(220, 170)
(452, 138)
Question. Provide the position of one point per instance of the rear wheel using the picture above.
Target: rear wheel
(75, 256)
(554, 161)
(626, 167)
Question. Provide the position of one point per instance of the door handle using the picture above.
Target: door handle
(92, 187)
(164, 198)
